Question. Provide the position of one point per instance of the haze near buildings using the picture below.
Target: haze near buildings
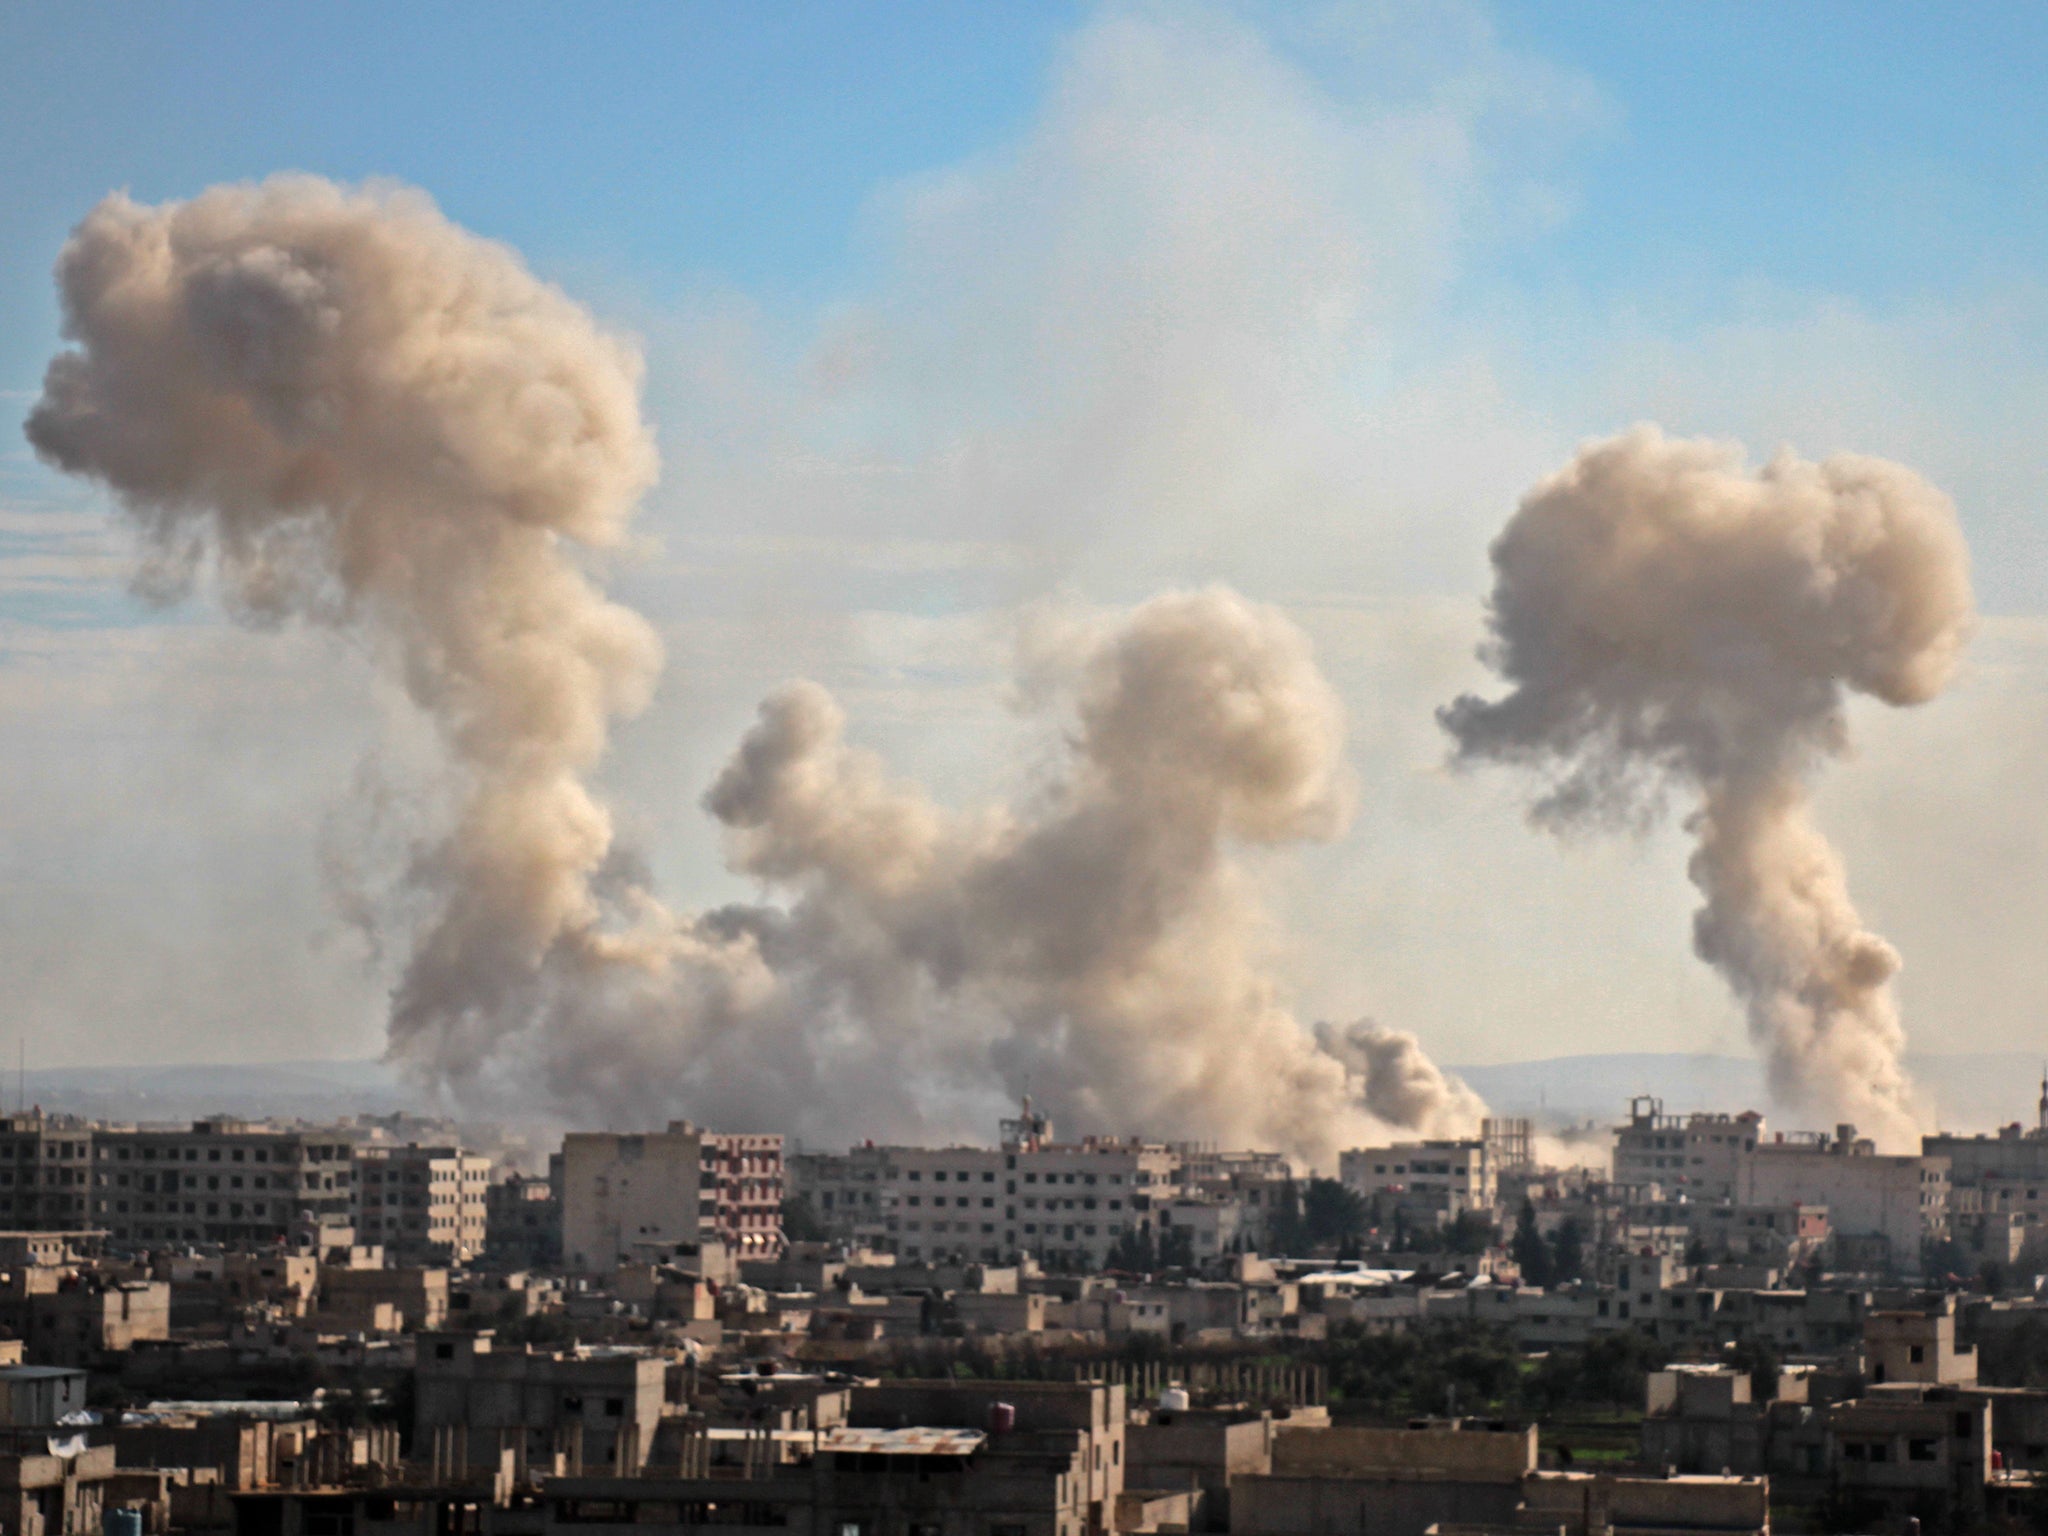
(358, 414)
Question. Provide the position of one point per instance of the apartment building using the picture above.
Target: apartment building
(625, 1198)
(1442, 1178)
(1901, 1199)
(1693, 1157)
(2003, 1175)
(522, 1223)
(45, 1172)
(425, 1205)
(221, 1181)
(743, 1186)
(845, 1191)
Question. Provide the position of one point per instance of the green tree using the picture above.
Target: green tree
(1176, 1248)
(1615, 1367)
(1135, 1251)
(1472, 1232)
(1286, 1232)
(1568, 1251)
(1331, 1213)
(800, 1223)
(1756, 1356)
(1531, 1254)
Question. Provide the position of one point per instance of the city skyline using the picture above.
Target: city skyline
(1453, 248)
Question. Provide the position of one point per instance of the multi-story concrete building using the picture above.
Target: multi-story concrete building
(1071, 1203)
(598, 1408)
(847, 1192)
(1901, 1199)
(1694, 1157)
(522, 1223)
(221, 1181)
(2000, 1181)
(627, 1198)
(743, 1186)
(1443, 1179)
(422, 1204)
(45, 1172)
(1067, 1203)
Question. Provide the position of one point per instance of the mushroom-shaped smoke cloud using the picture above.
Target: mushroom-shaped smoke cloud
(365, 413)
(1667, 619)
(361, 414)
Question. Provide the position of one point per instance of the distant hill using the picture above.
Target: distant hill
(1970, 1092)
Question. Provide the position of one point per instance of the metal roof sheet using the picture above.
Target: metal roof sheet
(903, 1442)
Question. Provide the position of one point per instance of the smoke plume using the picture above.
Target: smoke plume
(1108, 930)
(359, 415)
(1669, 621)
(364, 414)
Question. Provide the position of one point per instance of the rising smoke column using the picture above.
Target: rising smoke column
(1668, 620)
(1107, 928)
(357, 414)
(362, 414)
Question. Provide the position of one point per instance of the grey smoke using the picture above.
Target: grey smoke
(1670, 622)
(356, 414)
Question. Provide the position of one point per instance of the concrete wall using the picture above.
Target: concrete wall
(1483, 1455)
(1364, 1506)
(622, 1195)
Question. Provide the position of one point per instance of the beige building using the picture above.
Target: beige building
(1067, 1204)
(1692, 1157)
(1448, 1178)
(625, 1198)
(423, 1204)
(1900, 1199)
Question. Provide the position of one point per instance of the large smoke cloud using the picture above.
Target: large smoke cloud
(1668, 619)
(366, 414)
(1106, 928)
(360, 414)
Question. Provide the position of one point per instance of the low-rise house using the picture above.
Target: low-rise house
(1355, 1481)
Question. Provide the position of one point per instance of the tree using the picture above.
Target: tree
(1942, 1258)
(1568, 1251)
(1177, 1248)
(1331, 1213)
(1615, 1367)
(800, 1223)
(1472, 1232)
(1286, 1232)
(1135, 1251)
(1531, 1254)
(1761, 1362)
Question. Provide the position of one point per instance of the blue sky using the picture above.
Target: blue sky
(1409, 257)
(1878, 151)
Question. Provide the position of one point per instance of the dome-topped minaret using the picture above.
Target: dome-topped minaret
(2042, 1121)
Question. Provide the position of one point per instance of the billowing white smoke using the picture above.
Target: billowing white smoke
(1108, 929)
(1667, 619)
(363, 415)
